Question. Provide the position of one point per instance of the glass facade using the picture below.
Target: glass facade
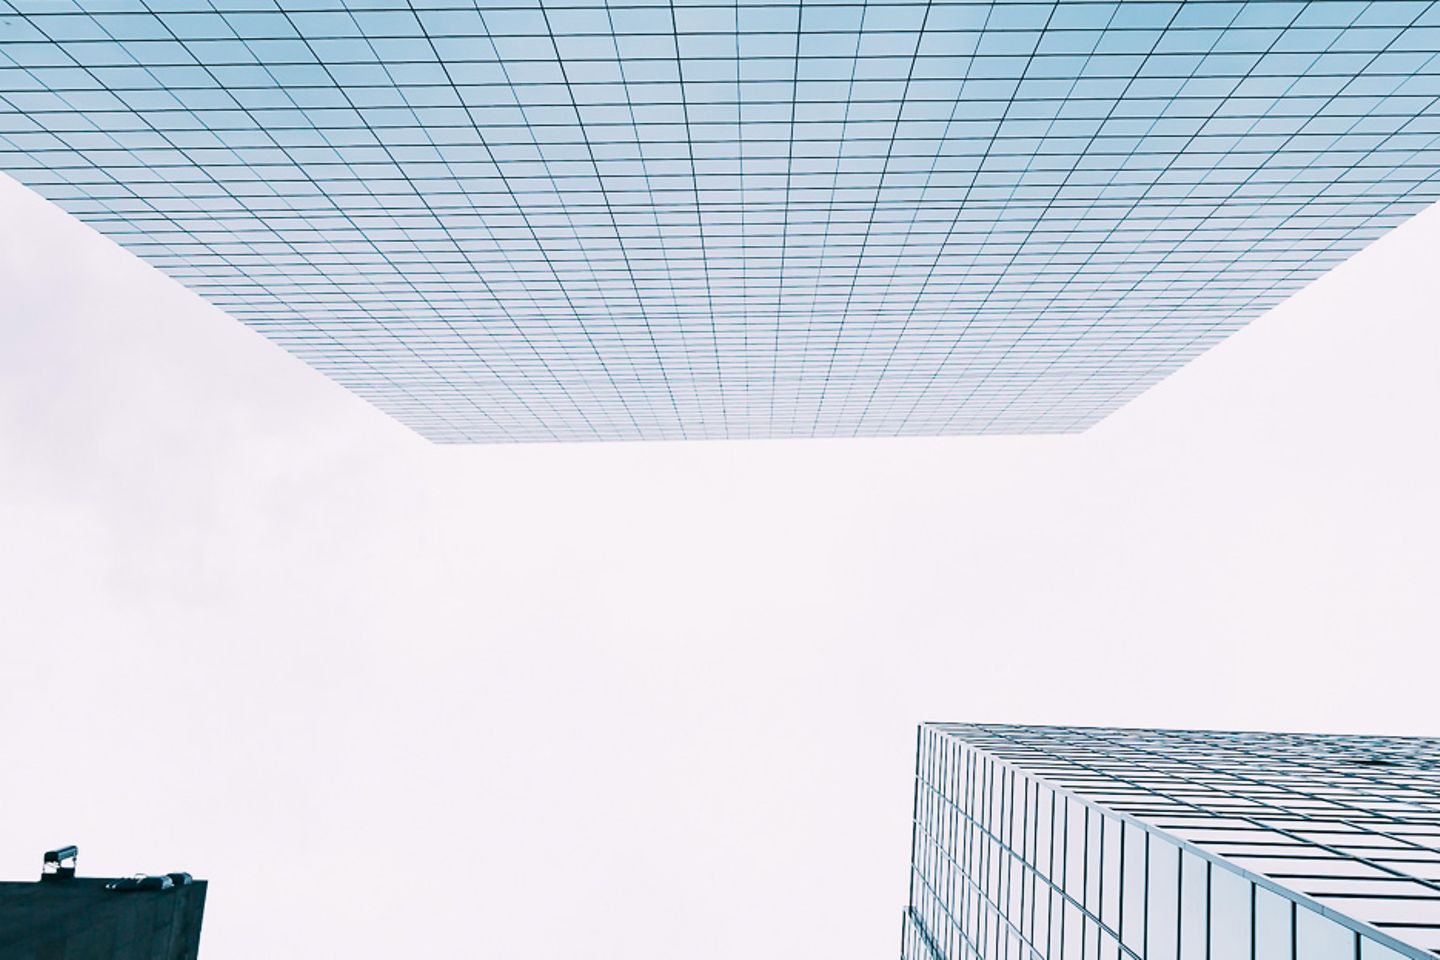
(1065, 843)
(643, 219)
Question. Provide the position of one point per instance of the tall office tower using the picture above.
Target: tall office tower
(65, 917)
(585, 220)
(1068, 843)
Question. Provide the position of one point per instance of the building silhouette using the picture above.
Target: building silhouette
(65, 917)
(1053, 843)
(579, 221)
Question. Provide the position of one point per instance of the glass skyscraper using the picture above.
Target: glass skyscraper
(639, 219)
(1067, 843)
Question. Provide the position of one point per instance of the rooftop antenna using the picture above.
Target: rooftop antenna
(60, 863)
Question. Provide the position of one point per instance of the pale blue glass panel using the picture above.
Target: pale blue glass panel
(1371, 950)
(1132, 888)
(1163, 898)
(624, 222)
(1320, 938)
(1230, 920)
(1273, 923)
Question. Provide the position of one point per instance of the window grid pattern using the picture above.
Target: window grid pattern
(644, 219)
(1061, 843)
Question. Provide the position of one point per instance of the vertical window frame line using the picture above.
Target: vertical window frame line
(1254, 894)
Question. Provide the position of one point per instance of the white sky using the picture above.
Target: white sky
(647, 700)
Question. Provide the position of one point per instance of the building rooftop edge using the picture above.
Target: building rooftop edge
(1358, 926)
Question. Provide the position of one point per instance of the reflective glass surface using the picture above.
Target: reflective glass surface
(574, 220)
(1052, 843)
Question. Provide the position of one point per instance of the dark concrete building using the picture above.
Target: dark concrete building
(64, 917)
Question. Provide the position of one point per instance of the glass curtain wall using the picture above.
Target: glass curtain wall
(1009, 867)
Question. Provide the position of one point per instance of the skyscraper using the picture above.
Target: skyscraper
(580, 220)
(1067, 843)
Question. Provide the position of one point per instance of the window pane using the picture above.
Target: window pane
(1370, 950)
(1317, 938)
(1164, 900)
(1193, 913)
(1094, 822)
(1110, 873)
(1272, 926)
(1229, 915)
(1045, 813)
(1040, 919)
(1132, 907)
(1073, 934)
(1075, 849)
(1057, 924)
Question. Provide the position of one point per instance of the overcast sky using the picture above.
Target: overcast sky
(647, 700)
